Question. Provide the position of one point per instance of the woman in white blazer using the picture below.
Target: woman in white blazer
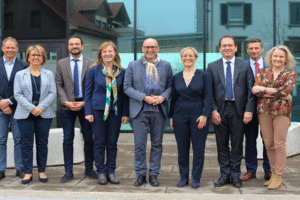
(35, 91)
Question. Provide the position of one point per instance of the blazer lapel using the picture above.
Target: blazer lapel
(236, 70)
(14, 69)
(2, 68)
(27, 80)
(43, 81)
(68, 68)
(220, 70)
(85, 68)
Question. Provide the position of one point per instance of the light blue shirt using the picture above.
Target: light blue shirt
(232, 61)
(80, 64)
(8, 68)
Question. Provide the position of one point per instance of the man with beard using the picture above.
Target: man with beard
(70, 78)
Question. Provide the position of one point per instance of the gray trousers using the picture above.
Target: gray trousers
(144, 121)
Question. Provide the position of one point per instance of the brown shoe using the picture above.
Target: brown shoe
(269, 181)
(248, 176)
(267, 176)
(276, 182)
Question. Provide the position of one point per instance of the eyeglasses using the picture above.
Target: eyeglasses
(150, 47)
(36, 55)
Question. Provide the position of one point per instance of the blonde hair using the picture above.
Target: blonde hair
(186, 49)
(290, 61)
(39, 49)
(117, 59)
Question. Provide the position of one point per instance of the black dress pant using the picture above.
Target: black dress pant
(231, 128)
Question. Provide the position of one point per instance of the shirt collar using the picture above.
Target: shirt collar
(6, 61)
(232, 60)
(260, 62)
(80, 58)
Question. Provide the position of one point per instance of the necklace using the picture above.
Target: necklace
(35, 85)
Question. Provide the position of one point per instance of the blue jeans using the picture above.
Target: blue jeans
(39, 127)
(5, 120)
(106, 134)
(68, 118)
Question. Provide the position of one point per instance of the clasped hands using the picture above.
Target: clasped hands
(154, 100)
(216, 118)
(75, 106)
(36, 111)
(201, 122)
(90, 118)
(4, 106)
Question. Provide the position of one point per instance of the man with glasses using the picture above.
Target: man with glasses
(70, 80)
(9, 66)
(148, 85)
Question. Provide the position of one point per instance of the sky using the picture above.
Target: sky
(160, 17)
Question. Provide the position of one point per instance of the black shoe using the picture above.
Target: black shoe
(2, 175)
(222, 181)
(237, 183)
(20, 173)
(140, 180)
(153, 180)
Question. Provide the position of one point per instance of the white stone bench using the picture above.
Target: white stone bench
(292, 141)
(55, 148)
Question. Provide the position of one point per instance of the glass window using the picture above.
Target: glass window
(235, 13)
(295, 13)
(35, 19)
(8, 21)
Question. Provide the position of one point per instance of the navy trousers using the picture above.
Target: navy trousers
(185, 128)
(68, 118)
(251, 135)
(39, 127)
(231, 128)
(142, 124)
(106, 134)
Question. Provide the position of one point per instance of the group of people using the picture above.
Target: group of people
(236, 95)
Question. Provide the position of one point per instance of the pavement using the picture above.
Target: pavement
(87, 188)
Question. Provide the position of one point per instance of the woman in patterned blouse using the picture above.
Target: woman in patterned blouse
(273, 86)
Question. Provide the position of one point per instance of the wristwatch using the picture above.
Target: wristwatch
(265, 90)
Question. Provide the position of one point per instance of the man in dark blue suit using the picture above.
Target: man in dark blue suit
(233, 105)
(9, 66)
(256, 62)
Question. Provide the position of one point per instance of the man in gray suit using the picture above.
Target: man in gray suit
(70, 78)
(233, 105)
(148, 85)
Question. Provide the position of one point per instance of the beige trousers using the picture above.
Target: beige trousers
(274, 130)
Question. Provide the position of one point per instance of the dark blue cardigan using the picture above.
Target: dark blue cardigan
(95, 92)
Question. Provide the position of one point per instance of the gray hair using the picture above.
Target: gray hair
(290, 61)
(11, 39)
(186, 49)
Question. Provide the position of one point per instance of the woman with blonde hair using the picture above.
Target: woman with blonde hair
(273, 86)
(106, 107)
(35, 91)
(190, 111)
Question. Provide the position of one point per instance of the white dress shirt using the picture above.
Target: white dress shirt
(8, 68)
(80, 64)
(232, 61)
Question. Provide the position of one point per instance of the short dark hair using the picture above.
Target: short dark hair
(75, 36)
(227, 36)
(254, 40)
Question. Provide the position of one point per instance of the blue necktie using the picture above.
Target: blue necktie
(228, 82)
(76, 78)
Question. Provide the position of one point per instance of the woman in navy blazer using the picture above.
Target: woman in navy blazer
(189, 114)
(35, 92)
(106, 107)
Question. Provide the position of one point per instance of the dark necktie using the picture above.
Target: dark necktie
(229, 92)
(76, 79)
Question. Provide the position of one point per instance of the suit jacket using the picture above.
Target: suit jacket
(23, 94)
(134, 85)
(95, 92)
(7, 86)
(64, 79)
(199, 91)
(243, 81)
